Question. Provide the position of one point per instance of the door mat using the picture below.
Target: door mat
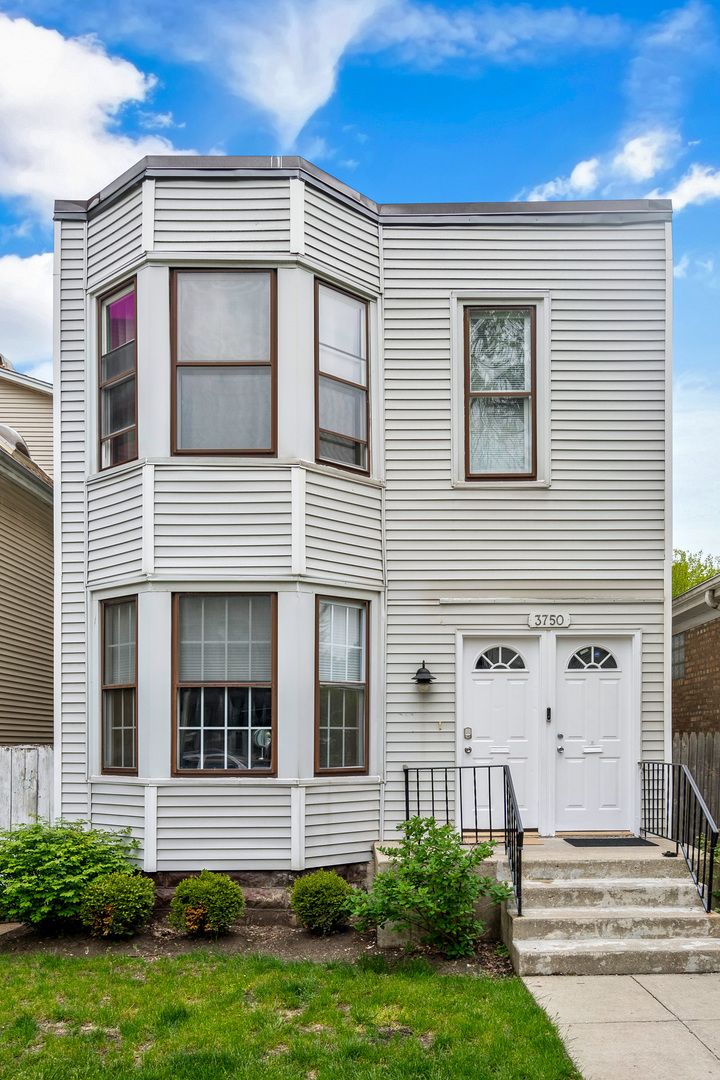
(608, 841)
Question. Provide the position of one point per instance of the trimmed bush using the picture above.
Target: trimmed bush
(208, 904)
(320, 901)
(433, 886)
(45, 869)
(117, 905)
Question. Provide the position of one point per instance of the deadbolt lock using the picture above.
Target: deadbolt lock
(468, 733)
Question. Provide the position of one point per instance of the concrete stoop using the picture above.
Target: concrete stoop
(592, 915)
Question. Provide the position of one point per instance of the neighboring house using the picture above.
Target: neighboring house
(26, 595)
(307, 443)
(26, 405)
(696, 658)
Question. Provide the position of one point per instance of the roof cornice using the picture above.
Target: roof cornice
(614, 212)
(29, 477)
(27, 381)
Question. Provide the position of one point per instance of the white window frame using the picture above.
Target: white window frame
(511, 298)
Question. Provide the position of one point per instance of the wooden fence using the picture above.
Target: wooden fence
(700, 751)
(26, 784)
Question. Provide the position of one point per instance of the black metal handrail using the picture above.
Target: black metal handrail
(437, 791)
(674, 809)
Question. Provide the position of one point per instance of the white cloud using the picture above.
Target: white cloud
(647, 154)
(59, 101)
(680, 269)
(582, 181)
(699, 185)
(696, 501)
(26, 310)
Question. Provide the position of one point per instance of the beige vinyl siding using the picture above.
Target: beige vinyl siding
(223, 828)
(119, 806)
(26, 617)
(343, 529)
(70, 471)
(342, 823)
(215, 520)
(114, 237)
(29, 412)
(114, 526)
(222, 215)
(342, 239)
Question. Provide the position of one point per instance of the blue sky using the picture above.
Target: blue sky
(406, 100)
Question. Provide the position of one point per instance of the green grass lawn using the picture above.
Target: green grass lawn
(206, 1016)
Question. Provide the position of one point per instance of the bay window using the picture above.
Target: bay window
(117, 382)
(224, 350)
(342, 417)
(119, 685)
(224, 683)
(500, 406)
(342, 686)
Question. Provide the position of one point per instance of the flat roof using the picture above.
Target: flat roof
(611, 211)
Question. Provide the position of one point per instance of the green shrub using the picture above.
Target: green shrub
(45, 869)
(117, 905)
(433, 886)
(208, 904)
(320, 901)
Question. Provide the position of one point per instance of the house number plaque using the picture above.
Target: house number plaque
(548, 620)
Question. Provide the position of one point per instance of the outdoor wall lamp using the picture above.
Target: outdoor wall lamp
(423, 678)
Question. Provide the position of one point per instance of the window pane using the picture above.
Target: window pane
(223, 317)
(225, 638)
(117, 406)
(343, 409)
(343, 451)
(343, 366)
(189, 749)
(342, 728)
(224, 408)
(118, 321)
(119, 448)
(500, 435)
(119, 729)
(341, 643)
(118, 362)
(119, 643)
(500, 349)
(342, 326)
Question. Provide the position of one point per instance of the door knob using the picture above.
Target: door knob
(561, 749)
(468, 749)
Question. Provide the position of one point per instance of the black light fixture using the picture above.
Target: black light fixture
(423, 678)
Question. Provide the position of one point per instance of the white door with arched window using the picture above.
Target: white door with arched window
(592, 744)
(500, 725)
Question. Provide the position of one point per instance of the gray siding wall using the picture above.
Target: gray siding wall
(119, 805)
(342, 823)
(343, 529)
(114, 526)
(343, 240)
(222, 215)
(114, 237)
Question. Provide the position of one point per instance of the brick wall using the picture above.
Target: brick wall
(696, 698)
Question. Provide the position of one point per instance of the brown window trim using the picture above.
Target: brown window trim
(356, 770)
(272, 363)
(108, 382)
(366, 389)
(174, 770)
(531, 393)
(107, 770)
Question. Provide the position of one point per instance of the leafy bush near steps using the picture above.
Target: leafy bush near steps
(208, 904)
(45, 869)
(320, 901)
(117, 905)
(433, 886)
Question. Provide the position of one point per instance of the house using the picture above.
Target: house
(26, 405)
(309, 445)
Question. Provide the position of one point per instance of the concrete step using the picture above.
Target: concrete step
(671, 956)
(584, 924)
(581, 869)
(610, 893)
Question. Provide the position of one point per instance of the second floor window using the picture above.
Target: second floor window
(224, 346)
(500, 436)
(118, 396)
(342, 379)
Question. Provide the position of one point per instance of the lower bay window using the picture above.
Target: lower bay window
(119, 685)
(224, 683)
(342, 689)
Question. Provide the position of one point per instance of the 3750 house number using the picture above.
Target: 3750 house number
(548, 620)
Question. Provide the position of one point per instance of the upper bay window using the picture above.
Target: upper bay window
(341, 328)
(118, 397)
(224, 346)
(224, 667)
(500, 406)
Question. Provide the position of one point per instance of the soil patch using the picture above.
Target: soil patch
(285, 942)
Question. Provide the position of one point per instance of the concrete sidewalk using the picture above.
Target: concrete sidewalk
(644, 1027)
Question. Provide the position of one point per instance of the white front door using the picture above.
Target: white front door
(592, 735)
(500, 726)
